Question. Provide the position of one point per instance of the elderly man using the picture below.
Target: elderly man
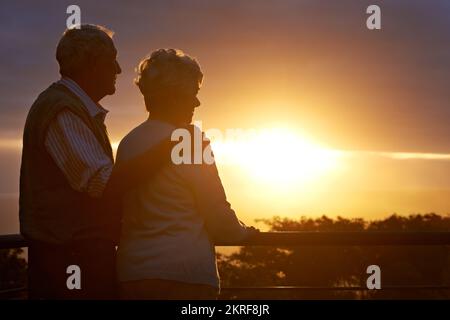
(68, 182)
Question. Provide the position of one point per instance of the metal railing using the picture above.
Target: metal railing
(282, 239)
(304, 238)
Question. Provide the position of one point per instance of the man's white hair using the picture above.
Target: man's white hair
(78, 47)
(167, 71)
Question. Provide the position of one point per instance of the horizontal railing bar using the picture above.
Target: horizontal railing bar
(293, 288)
(12, 241)
(342, 288)
(13, 290)
(302, 238)
(358, 238)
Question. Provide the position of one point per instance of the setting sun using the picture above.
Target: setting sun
(277, 156)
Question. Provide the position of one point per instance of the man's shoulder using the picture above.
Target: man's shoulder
(50, 103)
(54, 99)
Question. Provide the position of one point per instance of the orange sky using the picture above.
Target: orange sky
(380, 98)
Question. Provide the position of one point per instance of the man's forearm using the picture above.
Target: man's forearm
(127, 175)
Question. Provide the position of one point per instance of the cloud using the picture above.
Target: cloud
(397, 155)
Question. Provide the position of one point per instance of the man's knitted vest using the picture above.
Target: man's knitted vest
(51, 211)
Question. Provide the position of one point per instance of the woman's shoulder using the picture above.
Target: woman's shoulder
(143, 137)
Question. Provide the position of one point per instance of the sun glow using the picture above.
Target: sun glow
(278, 156)
(11, 144)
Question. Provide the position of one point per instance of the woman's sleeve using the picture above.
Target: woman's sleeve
(220, 219)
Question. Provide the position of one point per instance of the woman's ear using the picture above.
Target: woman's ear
(173, 101)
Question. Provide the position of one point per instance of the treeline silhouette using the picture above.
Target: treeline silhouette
(13, 269)
(317, 266)
(338, 266)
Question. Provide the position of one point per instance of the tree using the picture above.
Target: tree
(342, 265)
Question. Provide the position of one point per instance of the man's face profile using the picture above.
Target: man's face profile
(105, 70)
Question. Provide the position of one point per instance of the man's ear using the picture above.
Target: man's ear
(91, 66)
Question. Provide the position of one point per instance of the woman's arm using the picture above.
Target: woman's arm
(220, 219)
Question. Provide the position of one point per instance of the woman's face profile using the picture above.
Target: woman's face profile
(185, 102)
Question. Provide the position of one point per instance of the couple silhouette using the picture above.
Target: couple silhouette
(140, 227)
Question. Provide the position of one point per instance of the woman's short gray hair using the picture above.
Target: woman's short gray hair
(166, 71)
(77, 47)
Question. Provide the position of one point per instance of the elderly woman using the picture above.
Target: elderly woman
(170, 222)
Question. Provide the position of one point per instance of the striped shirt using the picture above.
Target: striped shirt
(75, 149)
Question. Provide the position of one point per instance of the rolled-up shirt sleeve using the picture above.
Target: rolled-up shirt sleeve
(220, 219)
(79, 155)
